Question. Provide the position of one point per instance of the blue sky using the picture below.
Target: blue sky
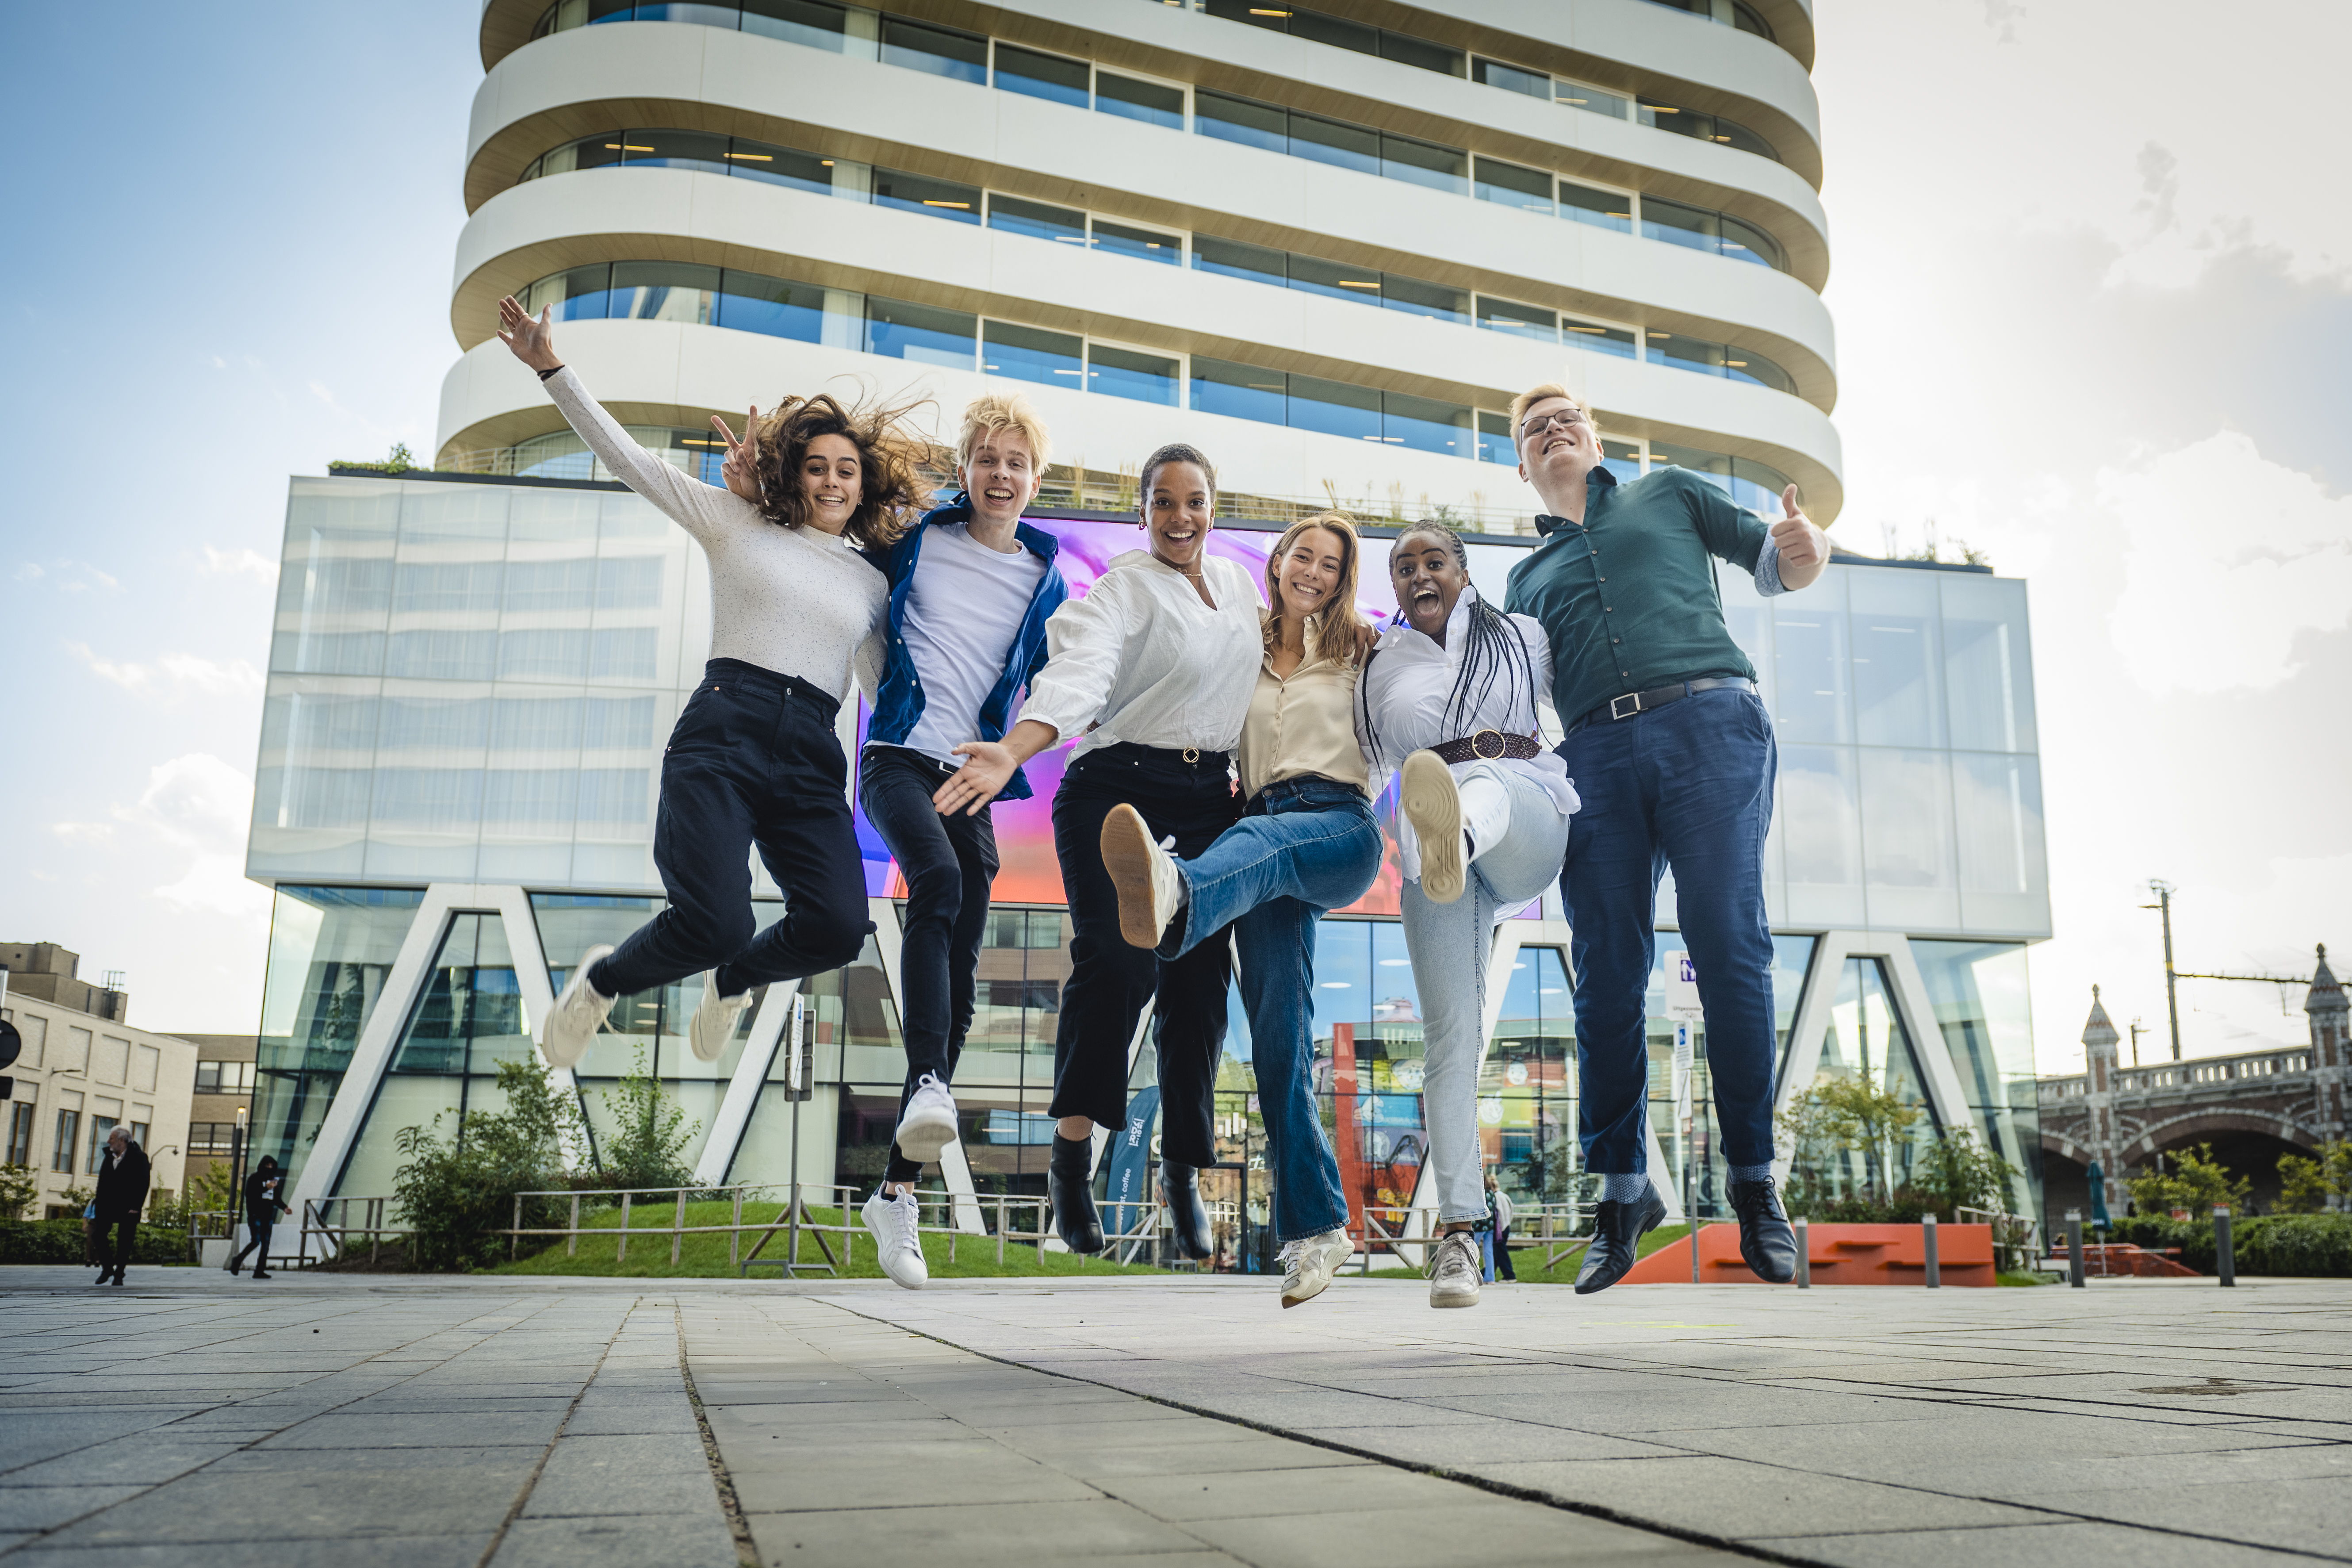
(2093, 310)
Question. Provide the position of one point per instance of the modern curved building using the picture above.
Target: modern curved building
(1326, 245)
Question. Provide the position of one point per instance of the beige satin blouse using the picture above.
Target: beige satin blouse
(1304, 725)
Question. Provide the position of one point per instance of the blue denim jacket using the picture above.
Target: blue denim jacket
(898, 697)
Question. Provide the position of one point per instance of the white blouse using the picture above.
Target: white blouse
(1401, 701)
(1142, 659)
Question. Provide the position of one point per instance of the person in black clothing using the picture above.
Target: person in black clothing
(121, 1194)
(262, 1207)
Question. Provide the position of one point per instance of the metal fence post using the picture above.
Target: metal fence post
(678, 1229)
(1804, 1254)
(2075, 1249)
(735, 1235)
(2225, 1257)
(514, 1236)
(1000, 1230)
(572, 1232)
(1935, 1270)
(620, 1248)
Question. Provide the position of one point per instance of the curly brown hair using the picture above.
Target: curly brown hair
(891, 488)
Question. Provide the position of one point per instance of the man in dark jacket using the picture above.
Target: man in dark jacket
(262, 1207)
(121, 1194)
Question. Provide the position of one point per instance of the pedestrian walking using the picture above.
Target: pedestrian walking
(121, 1194)
(262, 1207)
(1499, 1208)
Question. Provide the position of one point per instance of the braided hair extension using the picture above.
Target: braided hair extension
(1489, 649)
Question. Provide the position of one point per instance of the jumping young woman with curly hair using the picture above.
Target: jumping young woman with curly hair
(754, 759)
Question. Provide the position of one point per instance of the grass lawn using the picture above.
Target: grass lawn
(704, 1256)
(1529, 1259)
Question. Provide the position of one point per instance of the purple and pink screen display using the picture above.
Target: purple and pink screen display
(1028, 872)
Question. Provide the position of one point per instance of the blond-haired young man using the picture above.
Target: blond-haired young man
(1673, 756)
(971, 589)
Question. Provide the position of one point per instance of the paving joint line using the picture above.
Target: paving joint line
(747, 1550)
(530, 1482)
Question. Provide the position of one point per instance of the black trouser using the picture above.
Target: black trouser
(753, 760)
(124, 1230)
(949, 864)
(1110, 980)
(1503, 1269)
(259, 1225)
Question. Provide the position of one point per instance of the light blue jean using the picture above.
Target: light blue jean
(1306, 846)
(1449, 945)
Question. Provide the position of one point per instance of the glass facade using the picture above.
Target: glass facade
(470, 683)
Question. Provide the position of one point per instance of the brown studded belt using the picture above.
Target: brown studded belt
(1488, 746)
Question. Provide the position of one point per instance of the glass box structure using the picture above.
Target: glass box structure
(471, 680)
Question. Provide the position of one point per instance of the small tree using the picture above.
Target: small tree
(648, 1145)
(454, 1194)
(2306, 1185)
(19, 1185)
(2196, 1182)
(1839, 1114)
(1957, 1171)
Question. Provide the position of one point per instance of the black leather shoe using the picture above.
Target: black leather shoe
(1182, 1184)
(1070, 1182)
(1617, 1232)
(1767, 1241)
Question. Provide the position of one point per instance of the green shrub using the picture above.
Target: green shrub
(453, 1195)
(62, 1241)
(2298, 1246)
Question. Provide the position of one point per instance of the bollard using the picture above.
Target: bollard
(1804, 1255)
(2225, 1258)
(1935, 1273)
(2075, 1249)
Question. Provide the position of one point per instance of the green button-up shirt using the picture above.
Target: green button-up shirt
(1627, 596)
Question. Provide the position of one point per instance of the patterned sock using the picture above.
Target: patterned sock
(1751, 1172)
(1616, 1189)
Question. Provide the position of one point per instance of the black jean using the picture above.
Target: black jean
(116, 1239)
(752, 761)
(1110, 980)
(949, 864)
(258, 1228)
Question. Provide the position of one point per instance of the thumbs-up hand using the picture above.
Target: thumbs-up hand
(1803, 548)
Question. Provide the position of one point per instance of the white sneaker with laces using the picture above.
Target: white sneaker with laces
(1454, 1271)
(1429, 800)
(579, 1013)
(714, 1019)
(928, 1123)
(893, 1222)
(1308, 1265)
(1150, 890)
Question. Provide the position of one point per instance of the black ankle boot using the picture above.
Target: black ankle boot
(1768, 1243)
(1182, 1184)
(1070, 1182)
(1617, 1232)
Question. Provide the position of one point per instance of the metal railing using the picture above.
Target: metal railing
(2014, 1236)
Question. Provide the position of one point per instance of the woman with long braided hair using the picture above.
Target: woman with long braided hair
(1449, 699)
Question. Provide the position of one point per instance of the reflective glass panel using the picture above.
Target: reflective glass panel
(933, 198)
(1906, 839)
(1678, 225)
(1988, 673)
(664, 291)
(809, 23)
(578, 294)
(1511, 78)
(1865, 1041)
(1425, 164)
(1142, 244)
(779, 166)
(1594, 338)
(1599, 208)
(1335, 142)
(1407, 51)
(1731, 133)
(1041, 75)
(1123, 373)
(1336, 279)
(1419, 298)
(1686, 352)
(1242, 391)
(1819, 814)
(1810, 669)
(1235, 259)
(1623, 458)
(1744, 241)
(1747, 364)
(1898, 688)
(1037, 220)
(2003, 867)
(1146, 100)
(1531, 321)
(1985, 1016)
(1494, 444)
(1529, 190)
(1334, 407)
(674, 150)
(1240, 120)
(750, 302)
(1426, 425)
(693, 12)
(1594, 100)
(1027, 353)
(923, 333)
(936, 50)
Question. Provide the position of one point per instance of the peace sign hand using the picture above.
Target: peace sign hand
(531, 341)
(741, 468)
(1803, 547)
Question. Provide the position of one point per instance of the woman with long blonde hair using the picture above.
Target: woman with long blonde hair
(1307, 843)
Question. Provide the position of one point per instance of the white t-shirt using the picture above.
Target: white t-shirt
(963, 610)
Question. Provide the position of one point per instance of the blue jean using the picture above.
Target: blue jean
(1687, 785)
(1306, 846)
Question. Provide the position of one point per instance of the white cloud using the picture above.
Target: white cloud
(245, 563)
(173, 672)
(190, 821)
(29, 571)
(2229, 558)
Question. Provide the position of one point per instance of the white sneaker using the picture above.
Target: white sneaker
(1307, 1266)
(893, 1222)
(1454, 1271)
(714, 1019)
(929, 1122)
(579, 1013)
(1150, 890)
(1430, 802)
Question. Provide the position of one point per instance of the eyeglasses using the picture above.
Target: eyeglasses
(1568, 419)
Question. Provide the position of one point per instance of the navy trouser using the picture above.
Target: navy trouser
(949, 864)
(1687, 785)
(1110, 980)
(752, 761)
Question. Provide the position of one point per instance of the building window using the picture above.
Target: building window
(1037, 220)
(1030, 354)
(1142, 244)
(1599, 208)
(20, 1136)
(1529, 190)
(933, 198)
(1035, 75)
(101, 1128)
(61, 1153)
(1125, 372)
(934, 50)
(1148, 101)
(923, 333)
(237, 1078)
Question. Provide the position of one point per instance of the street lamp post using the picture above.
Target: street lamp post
(2164, 891)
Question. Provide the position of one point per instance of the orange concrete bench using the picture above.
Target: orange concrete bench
(1841, 1255)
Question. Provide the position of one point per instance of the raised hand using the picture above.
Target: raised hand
(1803, 548)
(741, 468)
(531, 341)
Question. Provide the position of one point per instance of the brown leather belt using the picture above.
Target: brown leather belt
(1488, 746)
(1634, 702)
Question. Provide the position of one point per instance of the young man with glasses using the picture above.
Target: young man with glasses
(1674, 758)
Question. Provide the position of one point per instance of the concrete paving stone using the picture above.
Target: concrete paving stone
(841, 1391)
(1735, 1499)
(1248, 1450)
(587, 1457)
(2311, 1513)
(1359, 1488)
(1007, 1533)
(1111, 1437)
(622, 1418)
(755, 1421)
(470, 1429)
(318, 1494)
(673, 1541)
(625, 1493)
(1951, 1451)
(1464, 1446)
(1478, 1528)
(29, 1437)
(2026, 1546)
(972, 1471)
(48, 1506)
(381, 1552)
(145, 1459)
